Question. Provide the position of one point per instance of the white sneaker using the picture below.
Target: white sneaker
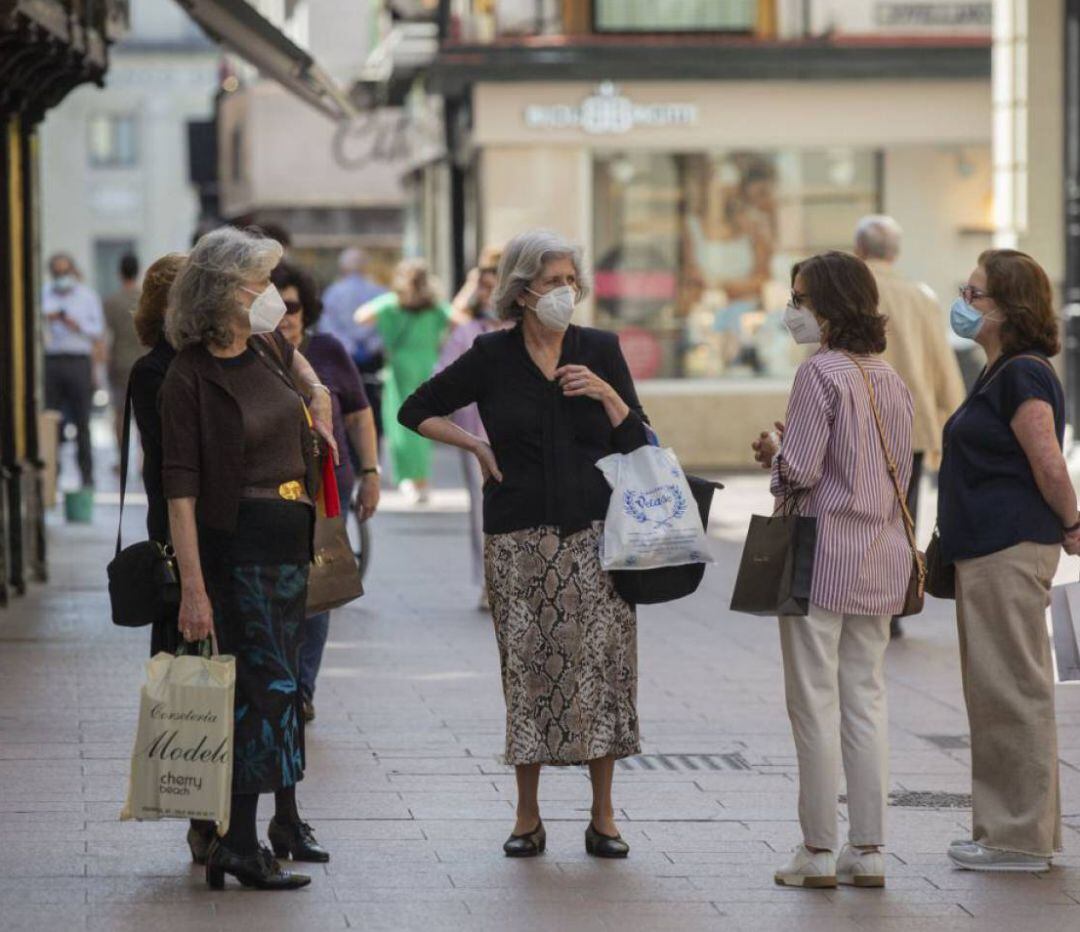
(858, 868)
(816, 870)
(976, 857)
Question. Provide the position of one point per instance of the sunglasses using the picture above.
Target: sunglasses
(293, 307)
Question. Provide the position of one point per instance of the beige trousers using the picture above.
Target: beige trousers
(1008, 676)
(834, 681)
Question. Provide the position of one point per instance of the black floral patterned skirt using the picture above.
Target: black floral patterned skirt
(567, 646)
(257, 583)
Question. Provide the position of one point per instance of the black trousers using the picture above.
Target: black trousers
(69, 389)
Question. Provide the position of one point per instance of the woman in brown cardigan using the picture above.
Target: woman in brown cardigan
(238, 474)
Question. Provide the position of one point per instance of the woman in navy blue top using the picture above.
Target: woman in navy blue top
(1005, 508)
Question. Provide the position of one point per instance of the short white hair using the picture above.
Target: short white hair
(877, 236)
(524, 259)
(352, 260)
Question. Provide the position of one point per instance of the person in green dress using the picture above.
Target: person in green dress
(412, 321)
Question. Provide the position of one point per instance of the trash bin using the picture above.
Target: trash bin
(79, 506)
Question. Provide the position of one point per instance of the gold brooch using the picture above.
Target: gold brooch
(290, 491)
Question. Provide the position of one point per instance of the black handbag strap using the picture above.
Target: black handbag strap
(125, 442)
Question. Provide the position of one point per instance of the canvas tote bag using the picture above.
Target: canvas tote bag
(181, 765)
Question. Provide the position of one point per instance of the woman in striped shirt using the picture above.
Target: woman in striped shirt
(828, 458)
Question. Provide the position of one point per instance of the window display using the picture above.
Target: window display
(693, 252)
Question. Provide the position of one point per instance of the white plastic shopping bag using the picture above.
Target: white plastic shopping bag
(181, 766)
(1065, 616)
(652, 520)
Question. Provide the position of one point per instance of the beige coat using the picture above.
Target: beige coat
(918, 349)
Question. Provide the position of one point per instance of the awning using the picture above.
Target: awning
(240, 28)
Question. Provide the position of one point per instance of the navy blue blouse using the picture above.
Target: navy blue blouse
(987, 497)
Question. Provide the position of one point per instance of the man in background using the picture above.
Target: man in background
(340, 300)
(124, 346)
(73, 323)
(918, 348)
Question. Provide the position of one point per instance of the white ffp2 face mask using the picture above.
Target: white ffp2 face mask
(802, 324)
(266, 310)
(556, 308)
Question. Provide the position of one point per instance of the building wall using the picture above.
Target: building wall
(151, 202)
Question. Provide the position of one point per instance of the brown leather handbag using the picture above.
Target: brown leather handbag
(916, 589)
(334, 577)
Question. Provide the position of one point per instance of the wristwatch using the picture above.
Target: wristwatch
(315, 385)
(371, 471)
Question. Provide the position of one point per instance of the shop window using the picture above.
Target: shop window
(675, 15)
(112, 141)
(693, 252)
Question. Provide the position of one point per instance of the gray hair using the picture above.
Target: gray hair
(524, 258)
(352, 260)
(877, 236)
(203, 300)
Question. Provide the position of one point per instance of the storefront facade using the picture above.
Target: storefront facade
(693, 199)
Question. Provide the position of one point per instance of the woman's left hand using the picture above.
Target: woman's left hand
(581, 381)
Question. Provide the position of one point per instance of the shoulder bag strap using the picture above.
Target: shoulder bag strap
(124, 443)
(909, 522)
(1009, 362)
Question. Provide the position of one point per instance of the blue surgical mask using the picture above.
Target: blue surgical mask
(64, 283)
(966, 321)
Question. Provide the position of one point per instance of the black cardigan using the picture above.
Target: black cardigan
(147, 376)
(546, 444)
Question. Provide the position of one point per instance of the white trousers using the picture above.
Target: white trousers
(834, 681)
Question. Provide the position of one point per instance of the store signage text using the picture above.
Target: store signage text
(608, 112)
(899, 14)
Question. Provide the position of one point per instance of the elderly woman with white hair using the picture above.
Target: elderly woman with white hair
(239, 473)
(554, 398)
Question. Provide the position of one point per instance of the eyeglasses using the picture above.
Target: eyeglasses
(970, 293)
(797, 298)
(293, 307)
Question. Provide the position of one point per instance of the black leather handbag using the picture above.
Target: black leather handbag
(668, 583)
(144, 582)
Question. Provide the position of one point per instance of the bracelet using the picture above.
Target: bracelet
(370, 471)
(315, 385)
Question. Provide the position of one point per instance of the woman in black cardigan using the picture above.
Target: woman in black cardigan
(554, 398)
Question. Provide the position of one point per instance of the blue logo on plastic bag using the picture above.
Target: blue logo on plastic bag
(660, 506)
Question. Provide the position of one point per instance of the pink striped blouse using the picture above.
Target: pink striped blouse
(831, 449)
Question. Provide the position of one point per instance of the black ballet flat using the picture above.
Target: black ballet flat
(528, 845)
(258, 870)
(605, 846)
(199, 839)
(296, 840)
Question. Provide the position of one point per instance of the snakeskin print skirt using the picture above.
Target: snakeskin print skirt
(567, 647)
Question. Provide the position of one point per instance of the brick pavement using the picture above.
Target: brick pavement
(404, 784)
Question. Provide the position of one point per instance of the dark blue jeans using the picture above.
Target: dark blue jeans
(316, 629)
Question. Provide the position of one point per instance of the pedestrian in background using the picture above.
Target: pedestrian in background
(412, 321)
(554, 398)
(124, 347)
(240, 474)
(354, 427)
(74, 323)
(918, 349)
(473, 304)
(1005, 506)
(830, 464)
(147, 376)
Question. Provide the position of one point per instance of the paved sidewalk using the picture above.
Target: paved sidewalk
(404, 784)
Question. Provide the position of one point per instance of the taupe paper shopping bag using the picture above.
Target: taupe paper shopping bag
(1065, 615)
(181, 766)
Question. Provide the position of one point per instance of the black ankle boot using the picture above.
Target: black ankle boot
(258, 870)
(528, 845)
(605, 846)
(200, 836)
(296, 840)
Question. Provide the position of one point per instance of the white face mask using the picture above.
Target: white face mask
(556, 308)
(266, 310)
(802, 324)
